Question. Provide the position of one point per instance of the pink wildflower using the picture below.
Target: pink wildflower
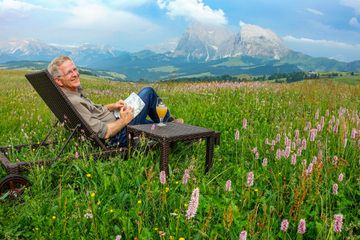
(335, 160)
(250, 179)
(335, 188)
(297, 133)
(293, 159)
(303, 144)
(228, 185)
(336, 128)
(193, 204)
(284, 225)
(118, 237)
(162, 177)
(327, 112)
(299, 151)
(310, 169)
(341, 177)
(152, 127)
(313, 133)
(265, 162)
(353, 133)
(244, 123)
(186, 176)
(76, 155)
(317, 114)
(287, 152)
(278, 136)
(338, 221)
(302, 226)
(257, 155)
(243, 235)
(237, 135)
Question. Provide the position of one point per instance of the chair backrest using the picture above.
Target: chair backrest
(59, 104)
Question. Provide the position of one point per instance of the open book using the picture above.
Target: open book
(135, 102)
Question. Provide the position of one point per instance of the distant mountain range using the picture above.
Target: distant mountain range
(202, 50)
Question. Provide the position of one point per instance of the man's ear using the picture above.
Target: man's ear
(58, 81)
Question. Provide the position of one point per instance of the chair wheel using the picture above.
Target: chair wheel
(12, 186)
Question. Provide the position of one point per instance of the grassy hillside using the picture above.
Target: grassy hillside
(298, 174)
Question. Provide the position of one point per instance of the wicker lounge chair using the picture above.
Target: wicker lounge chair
(66, 114)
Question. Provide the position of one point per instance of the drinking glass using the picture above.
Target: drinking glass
(161, 110)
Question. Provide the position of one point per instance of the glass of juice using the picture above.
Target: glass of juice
(161, 110)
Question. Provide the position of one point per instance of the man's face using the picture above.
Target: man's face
(69, 77)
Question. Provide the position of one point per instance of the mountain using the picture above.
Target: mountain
(253, 40)
(201, 42)
(203, 50)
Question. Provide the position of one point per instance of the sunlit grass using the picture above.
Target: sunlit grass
(87, 199)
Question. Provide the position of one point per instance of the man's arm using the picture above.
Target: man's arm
(126, 115)
(116, 106)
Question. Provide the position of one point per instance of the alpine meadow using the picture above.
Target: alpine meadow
(287, 167)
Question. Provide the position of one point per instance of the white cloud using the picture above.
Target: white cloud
(314, 11)
(354, 4)
(322, 43)
(7, 5)
(193, 10)
(354, 22)
(86, 15)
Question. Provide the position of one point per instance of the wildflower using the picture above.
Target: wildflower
(162, 234)
(284, 225)
(341, 177)
(308, 126)
(327, 112)
(302, 226)
(313, 133)
(88, 175)
(193, 204)
(293, 159)
(335, 188)
(309, 169)
(181, 238)
(92, 194)
(186, 176)
(335, 160)
(88, 214)
(228, 185)
(336, 128)
(353, 133)
(299, 151)
(118, 237)
(244, 123)
(287, 152)
(76, 155)
(153, 127)
(257, 155)
(167, 189)
(264, 162)
(237, 135)
(139, 202)
(162, 177)
(250, 179)
(317, 114)
(243, 235)
(53, 217)
(297, 133)
(256, 190)
(303, 144)
(338, 221)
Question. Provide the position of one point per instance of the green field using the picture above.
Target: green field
(87, 199)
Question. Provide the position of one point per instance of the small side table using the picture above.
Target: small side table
(174, 132)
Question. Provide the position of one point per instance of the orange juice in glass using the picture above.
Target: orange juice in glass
(161, 110)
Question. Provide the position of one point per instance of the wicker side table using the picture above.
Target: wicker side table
(174, 132)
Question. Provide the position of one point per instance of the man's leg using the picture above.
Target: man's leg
(149, 96)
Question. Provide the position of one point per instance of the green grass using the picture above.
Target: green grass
(87, 199)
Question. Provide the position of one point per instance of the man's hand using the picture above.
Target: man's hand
(117, 105)
(127, 114)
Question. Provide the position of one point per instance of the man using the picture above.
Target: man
(102, 119)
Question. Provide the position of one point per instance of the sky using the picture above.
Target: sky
(320, 28)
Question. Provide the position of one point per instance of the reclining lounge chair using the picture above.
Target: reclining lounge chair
(13, 184)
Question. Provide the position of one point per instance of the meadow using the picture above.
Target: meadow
(288, 166)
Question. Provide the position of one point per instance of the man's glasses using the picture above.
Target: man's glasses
(68, 73)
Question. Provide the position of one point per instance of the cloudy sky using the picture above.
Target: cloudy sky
(328, 28)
